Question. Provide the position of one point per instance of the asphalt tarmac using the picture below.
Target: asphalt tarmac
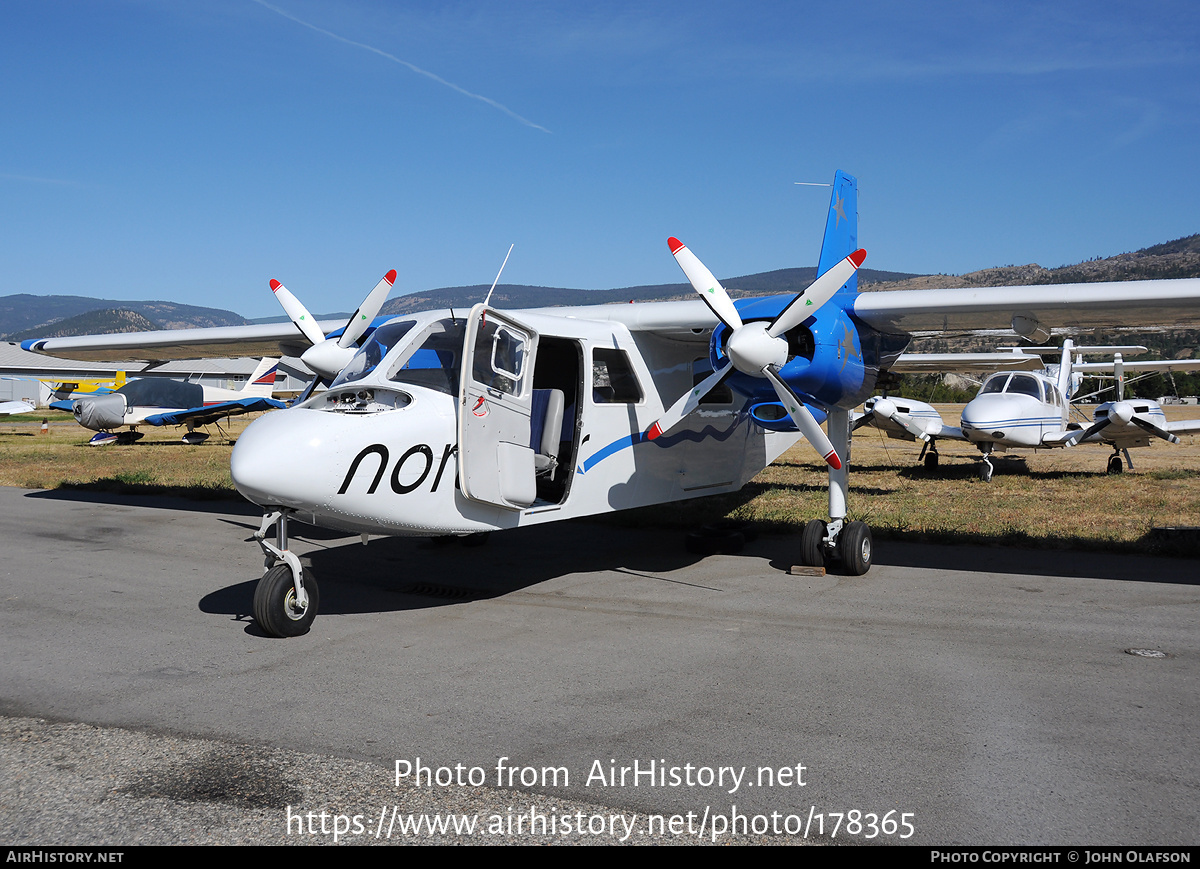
(954, 695)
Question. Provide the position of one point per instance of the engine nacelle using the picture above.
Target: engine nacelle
(833, 357)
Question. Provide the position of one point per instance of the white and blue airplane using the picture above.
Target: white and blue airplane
(454, 423)
(1027, 406)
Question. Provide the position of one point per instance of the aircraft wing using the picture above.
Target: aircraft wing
(1058, 307)
(264, 339)
(683, 319)
(937, 363)
(1184, 426)
(7, 407)
(1135, 367)
(213, 412)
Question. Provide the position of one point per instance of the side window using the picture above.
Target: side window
(499, 357)
(613, 380)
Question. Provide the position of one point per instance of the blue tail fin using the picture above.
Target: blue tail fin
(841, 227)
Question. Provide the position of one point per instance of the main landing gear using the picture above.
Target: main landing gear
(848, 542)
(929, 454)
(286, 598)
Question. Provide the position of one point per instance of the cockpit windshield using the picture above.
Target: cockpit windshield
(995, 383)
(1013, 384)
(1025, 384)
(433, 358)
(371, 354)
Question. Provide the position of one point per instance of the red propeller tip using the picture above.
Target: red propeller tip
(654, 432)
(857, 257)
(390, 277)
(275, 285)
(675, 244)
(834, 461)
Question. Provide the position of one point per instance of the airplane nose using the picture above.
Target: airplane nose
(278, 458)
(101, 413)
(985, 419)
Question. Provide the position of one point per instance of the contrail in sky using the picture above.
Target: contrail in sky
(415, 69)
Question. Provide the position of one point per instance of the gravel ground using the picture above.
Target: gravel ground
(76, 784)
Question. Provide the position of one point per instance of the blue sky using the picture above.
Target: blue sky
(195, 150)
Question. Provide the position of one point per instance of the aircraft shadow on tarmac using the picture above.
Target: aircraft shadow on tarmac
(173, 498)
(403, 573)
(396, 574)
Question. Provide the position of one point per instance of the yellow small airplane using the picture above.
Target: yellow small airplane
(68, 390)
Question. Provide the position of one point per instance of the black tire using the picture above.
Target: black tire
(931, 461)
(1115, 465)
(275, 603)
(812, 545)
(854, 548)
(708, 541)
(985, 472)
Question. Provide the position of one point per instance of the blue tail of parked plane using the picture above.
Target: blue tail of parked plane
(841, 228)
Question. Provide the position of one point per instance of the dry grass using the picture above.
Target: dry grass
(1058, 498)
(1054, 498)
(159, 462)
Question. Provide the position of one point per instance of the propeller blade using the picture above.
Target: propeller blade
(867, 418)
(816, 294)
(803, 418)
(1084, 434)
(299, 315)
(706, 285)
(1147, 426)
(367, 311)
(687, 403)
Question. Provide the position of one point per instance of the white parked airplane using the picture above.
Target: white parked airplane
(1026, 409)
(453, 423)
(161, 401)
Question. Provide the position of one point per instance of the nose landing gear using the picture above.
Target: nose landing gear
(286, 598)
(985, 466)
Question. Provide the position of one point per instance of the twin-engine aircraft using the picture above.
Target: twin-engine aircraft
(1027, 406)
(453, 422)
(160, 401)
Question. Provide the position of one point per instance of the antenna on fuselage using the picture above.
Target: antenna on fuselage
(502, 265)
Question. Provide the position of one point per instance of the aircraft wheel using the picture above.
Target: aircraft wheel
(812, 543)
(931, 461)
(985, 472)
(1115, 465)
(275, 607)
(854, 548)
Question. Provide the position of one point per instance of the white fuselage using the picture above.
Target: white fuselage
(1021, 409)
(382, 451)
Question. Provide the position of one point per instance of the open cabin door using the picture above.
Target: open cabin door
(495, 459)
